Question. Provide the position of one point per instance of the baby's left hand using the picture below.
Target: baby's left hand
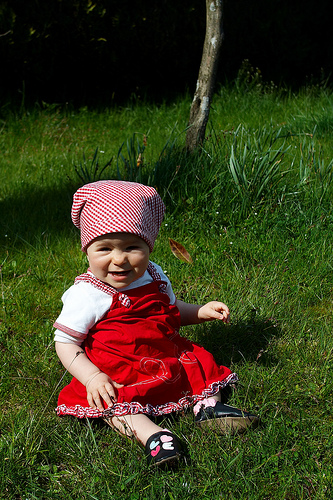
(214, 310)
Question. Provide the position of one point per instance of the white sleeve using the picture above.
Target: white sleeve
(83, 306)
(169, 289)
(65, 338)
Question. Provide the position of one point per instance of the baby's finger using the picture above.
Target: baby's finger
(223, 307)
(90, 401)
(108, 397)
(224, 317)
(224, 311)
(98, 402)
(116, 385)
(111, 394)
(94, 401)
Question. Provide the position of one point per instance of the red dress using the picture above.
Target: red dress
(139, 346)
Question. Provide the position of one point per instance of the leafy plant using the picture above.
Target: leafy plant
(90, 172)
(315, 174)
(255, 164)
(130, 167)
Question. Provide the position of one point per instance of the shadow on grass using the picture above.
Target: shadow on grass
(34, 212)
(245, 340)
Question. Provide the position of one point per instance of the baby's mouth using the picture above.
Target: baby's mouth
(119, 273)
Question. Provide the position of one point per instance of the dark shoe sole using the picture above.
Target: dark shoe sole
(166, 462)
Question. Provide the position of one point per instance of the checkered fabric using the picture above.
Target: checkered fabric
(117, 207)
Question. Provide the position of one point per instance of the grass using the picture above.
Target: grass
(268, 256)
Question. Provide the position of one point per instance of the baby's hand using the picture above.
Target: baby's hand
(100, 386)
(214, 310)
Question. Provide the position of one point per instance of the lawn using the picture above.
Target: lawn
(253, 208)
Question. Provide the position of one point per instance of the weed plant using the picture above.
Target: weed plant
(253, 208)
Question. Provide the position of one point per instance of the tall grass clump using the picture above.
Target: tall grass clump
(315, 172)
(238, 172)
(253, 207)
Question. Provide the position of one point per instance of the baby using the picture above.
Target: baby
(118, 331)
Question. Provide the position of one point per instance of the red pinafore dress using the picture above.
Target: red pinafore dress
(137, 343)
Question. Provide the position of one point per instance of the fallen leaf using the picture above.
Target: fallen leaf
(180, 252)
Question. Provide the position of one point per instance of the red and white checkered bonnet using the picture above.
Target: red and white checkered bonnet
(117, 207)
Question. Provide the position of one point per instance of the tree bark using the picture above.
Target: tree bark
(200, 107)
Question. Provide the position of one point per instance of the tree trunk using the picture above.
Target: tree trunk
(207, 74)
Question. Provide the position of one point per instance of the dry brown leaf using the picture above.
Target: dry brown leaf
(179, 251)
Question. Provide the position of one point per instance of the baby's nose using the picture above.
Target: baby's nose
(118, 257)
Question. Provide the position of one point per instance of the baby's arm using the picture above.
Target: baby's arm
(192, 314)
(99, 385)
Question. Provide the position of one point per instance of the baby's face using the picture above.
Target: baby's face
(118, 258)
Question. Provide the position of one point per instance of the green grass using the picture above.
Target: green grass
(268, 256)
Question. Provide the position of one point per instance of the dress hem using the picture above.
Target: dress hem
(122, 409)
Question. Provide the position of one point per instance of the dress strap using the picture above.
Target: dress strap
(104, 287)
(156, 277)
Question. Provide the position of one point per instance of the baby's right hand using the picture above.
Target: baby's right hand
(101, 387)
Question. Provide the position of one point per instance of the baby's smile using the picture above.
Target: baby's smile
(119, 273)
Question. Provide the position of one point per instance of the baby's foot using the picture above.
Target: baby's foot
(163, 447)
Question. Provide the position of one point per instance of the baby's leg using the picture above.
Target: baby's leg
(138, 425)
(217, 397)
(161, 445)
